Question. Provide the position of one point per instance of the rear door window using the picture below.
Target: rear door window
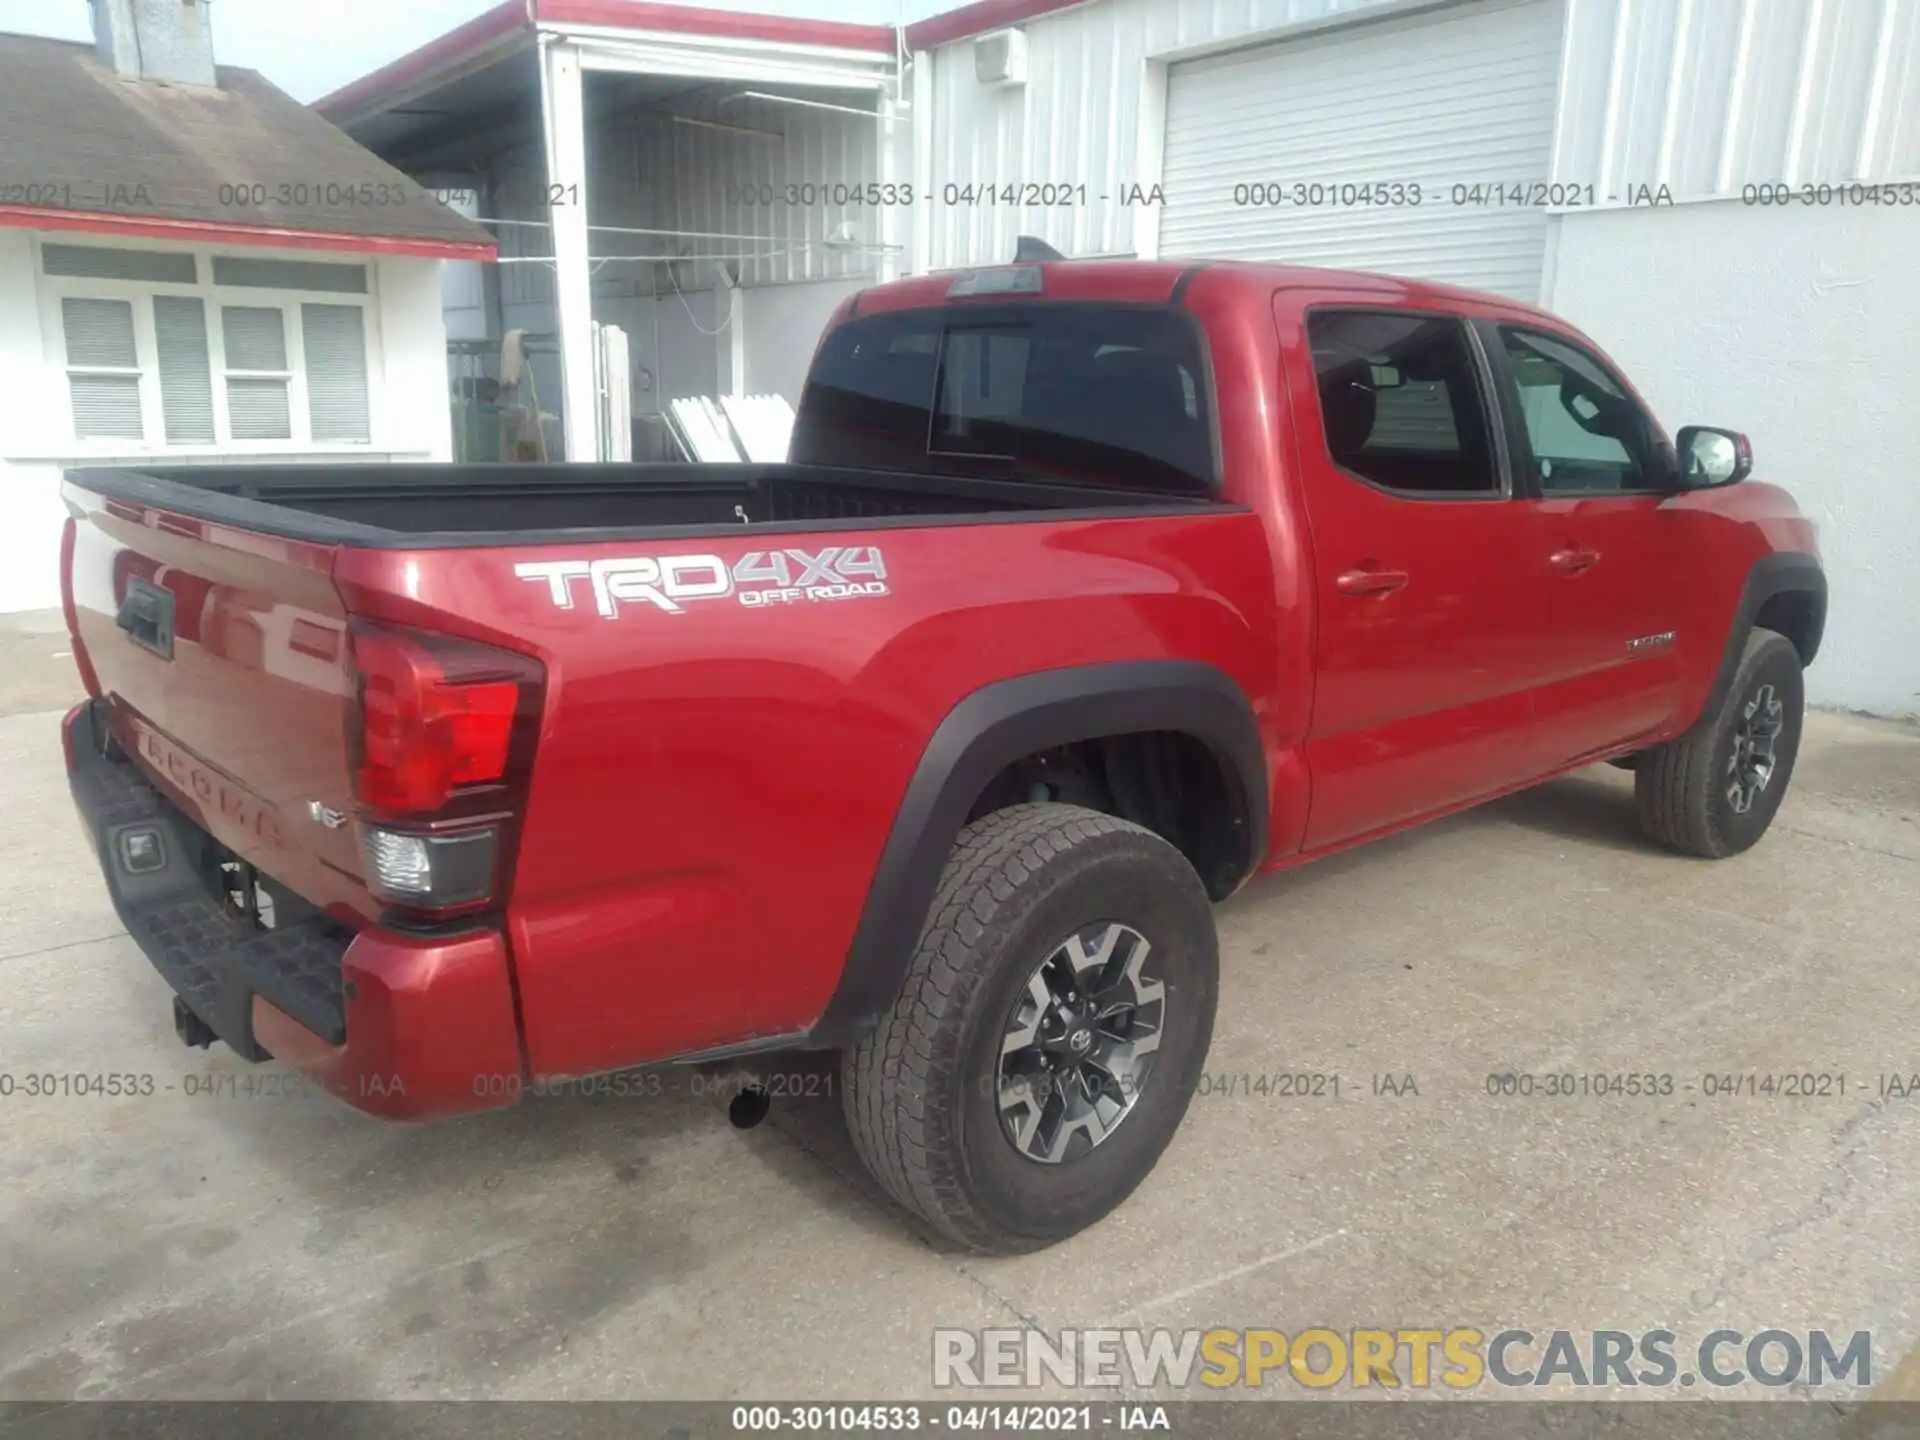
(1401, 403)
(1089, 394)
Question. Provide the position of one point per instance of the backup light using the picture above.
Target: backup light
(430, 870)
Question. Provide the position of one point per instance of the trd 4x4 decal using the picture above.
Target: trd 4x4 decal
(760, 578)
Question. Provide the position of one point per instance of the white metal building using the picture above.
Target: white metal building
(699, 179)
(1660, 119)
(1612, 159)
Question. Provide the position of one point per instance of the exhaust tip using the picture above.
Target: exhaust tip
(749, 1107)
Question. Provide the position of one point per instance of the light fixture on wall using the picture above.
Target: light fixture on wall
(729, 129)
(1000, 58)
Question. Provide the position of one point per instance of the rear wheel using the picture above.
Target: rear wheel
(1049, 1034)
(1714, 791)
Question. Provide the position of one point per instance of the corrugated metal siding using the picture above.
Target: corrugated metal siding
(715, 180)
(1730, 93)
(1690, 93)
(1075, 121)
(516, 195)
(651, 173)
(1471, 103)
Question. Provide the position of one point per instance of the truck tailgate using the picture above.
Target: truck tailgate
(221, 658)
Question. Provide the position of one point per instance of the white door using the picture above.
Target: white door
(1460, 96)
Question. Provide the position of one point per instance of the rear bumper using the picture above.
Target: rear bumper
(398, 1025)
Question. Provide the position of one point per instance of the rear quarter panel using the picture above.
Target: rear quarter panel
(713, 788)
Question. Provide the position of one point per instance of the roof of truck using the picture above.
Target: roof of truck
(1162, 281)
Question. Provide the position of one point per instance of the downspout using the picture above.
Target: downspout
(922, 118)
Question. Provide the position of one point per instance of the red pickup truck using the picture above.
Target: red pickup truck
(1092, 589)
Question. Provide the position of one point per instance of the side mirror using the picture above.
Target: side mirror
(1710, 457)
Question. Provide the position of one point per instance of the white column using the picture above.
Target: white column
(1149, 155)
(893, 218)
(35, 420)
(923, 121)
(735, 296)
(566, 126)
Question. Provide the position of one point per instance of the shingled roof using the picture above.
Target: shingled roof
(83, 148)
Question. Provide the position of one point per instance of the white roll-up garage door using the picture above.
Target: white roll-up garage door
(1458, 96)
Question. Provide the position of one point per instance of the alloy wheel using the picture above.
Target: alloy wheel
(1078, 1047)
(1751, 766)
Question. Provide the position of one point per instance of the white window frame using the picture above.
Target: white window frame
(299, 416)
(118, 372)
(55, 288)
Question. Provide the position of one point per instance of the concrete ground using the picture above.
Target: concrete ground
(286, 1247)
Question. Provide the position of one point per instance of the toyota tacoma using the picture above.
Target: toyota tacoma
(1090, 591)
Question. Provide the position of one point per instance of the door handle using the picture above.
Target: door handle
(1369, 582)
(1574, 560)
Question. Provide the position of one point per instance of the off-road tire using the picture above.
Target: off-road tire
(920, 1092)
(1681, 788)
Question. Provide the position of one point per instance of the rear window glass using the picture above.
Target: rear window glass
(1400, 401)
(1089, 394)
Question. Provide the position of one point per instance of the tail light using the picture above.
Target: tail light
(82, 661)
(442, 747)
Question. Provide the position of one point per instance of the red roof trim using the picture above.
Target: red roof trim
(461, 43)
(724, 24)
(154, 227)
(487, 30)
(978, 18)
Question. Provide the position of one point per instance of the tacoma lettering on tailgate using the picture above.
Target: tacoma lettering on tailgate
(760, 578)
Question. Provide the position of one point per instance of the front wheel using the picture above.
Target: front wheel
(1714, 791)
(1050, 1033)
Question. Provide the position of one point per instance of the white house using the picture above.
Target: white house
(195, 266)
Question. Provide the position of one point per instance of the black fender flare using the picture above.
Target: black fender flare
(1790, 571)
(991, 729)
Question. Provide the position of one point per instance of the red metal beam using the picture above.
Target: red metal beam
(726, 24)
(484, 32)
(154, 227)
(977, 19)
(461, 43)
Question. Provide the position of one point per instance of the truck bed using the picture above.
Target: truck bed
(447, 506)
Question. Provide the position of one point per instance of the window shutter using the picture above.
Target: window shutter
(258, 409)
(107, 407)
(100, 335)
(336, 352)
(289, 275)
(104, 264)
(256, 339)
(186, 377)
